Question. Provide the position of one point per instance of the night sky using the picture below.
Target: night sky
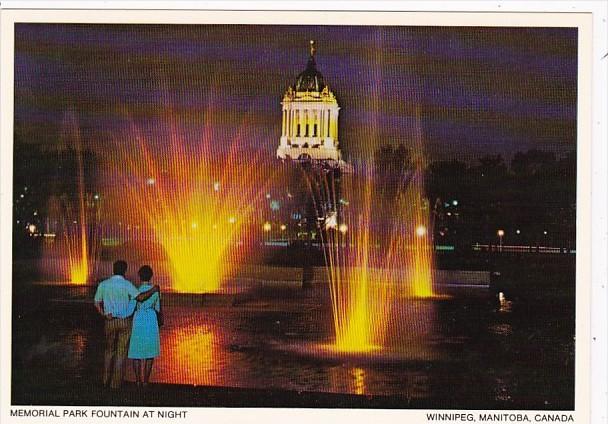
(478, 90)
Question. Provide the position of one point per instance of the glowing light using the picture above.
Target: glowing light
(267, 227)
(388, 256)
(421, 231)
(331, 222)
(283, 227)
(500, 233)
(455, 202)
(200, 211)
(518, 232)
(31, 228)
(343, 228)
(545, 232)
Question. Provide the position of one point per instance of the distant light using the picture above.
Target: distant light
(331, 221)
(518, 232)
(21, 196)
(275, 205)
(194, 225)
(74, 222)
(455, 202)
(268, 195)
(421, 231)
(35, 213)
(25, 188)
(214, 226)
(449, 214)
(150, 181)
(31, 228)
(343, 228)
(283, 227)
(232, 220)
(545, 232)
(267, 227)
(96, 197)
(500, 233)
(216, 186)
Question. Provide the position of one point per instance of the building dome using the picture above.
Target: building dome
(309, 130)
(310, 79)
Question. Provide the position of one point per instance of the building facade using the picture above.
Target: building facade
(310, 118)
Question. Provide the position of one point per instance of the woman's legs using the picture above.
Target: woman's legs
(148, 371)
(137, 368)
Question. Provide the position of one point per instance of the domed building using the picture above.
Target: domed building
(310, 118)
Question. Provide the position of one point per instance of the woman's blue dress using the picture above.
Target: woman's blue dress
(145, 337)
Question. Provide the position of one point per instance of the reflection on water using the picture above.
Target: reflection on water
(274, 340)
(189, 356)
(242, 348)
(358, 380)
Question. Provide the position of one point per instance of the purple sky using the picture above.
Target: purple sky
(478, 90)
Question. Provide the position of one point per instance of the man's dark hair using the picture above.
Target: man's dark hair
(120, 268)
(145, 273)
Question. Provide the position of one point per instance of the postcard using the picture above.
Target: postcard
(333, 215)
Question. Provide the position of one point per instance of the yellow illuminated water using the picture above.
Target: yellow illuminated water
(379, 259)
(197, 201)
(380, 248)
(73, 252)
(78, 245)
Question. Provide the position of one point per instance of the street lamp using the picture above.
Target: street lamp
(501, 234)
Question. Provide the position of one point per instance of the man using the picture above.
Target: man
(115, 299)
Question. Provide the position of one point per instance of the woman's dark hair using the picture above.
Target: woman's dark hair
(145, 273)
(119, 268)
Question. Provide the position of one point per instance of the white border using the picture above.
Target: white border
(591, 18)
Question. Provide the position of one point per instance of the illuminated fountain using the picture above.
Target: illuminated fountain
(378, 251)
(197, 198)
(373, 217)
(73, 251)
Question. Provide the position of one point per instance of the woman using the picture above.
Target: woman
(145, 338)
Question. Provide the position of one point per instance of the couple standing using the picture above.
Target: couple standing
(131, 326)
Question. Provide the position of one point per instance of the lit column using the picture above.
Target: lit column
(284, 119)
(328, 122)
(321, 123)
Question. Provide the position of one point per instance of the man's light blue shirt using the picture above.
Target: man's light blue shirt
(118, 296)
